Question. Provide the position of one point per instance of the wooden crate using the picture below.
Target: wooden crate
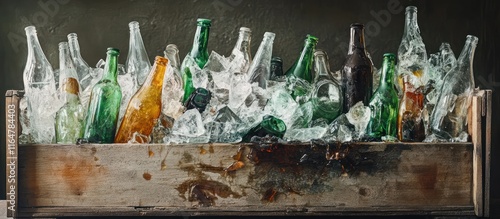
(245, 179)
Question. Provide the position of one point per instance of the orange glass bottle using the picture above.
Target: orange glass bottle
(144, 107)
(410, 119)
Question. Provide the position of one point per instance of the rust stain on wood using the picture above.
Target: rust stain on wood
(234, 166)
(146, 176)
(203, 151)
(211, 148)
(76, 172)
(205, 192)
(151, 153)
(269, 195)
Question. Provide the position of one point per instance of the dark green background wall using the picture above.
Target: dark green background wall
(101, 24)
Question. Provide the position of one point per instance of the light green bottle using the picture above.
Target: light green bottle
(384, 103)
(104, 106)
(69, 119)
(199, 53)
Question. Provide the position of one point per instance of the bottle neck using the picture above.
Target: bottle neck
(243, 43)
(172, 54)
(411, 28)
(65, 61)
(387, 76)
(276, 68)
(136, 46)
(357, 39)
(111, 68)
(466, 58)
(74, 49)
(157, 73)
(200, 43)
(34, 48)
(321, 65)
(303, 66)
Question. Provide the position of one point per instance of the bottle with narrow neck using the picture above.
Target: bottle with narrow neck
(260, 68)
(412, 55)
(104, 107)
(144, 108)
(303, 66)
(137, 63)
(198, 53)
(82, 68)
(40, 87)
(173, 90)
(327, 94)
(69, 119)
(384, 103)
(449, 118)
(357, 72)
(411, 127)
(241, 51)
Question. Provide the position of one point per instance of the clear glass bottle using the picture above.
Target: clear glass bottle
(82, 68)
(199, 52)
(145, 106)
(412, 55)
(69, 119)
(327, 94)
(357, 72)
(260, 69)
(241, 51)
(173, 90)
(303, 66)
(104, 106)
(137, 63)
(40, 88)
(384, 103)
(449, 119)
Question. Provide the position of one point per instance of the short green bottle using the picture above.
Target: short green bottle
(104, 106)
(270, 125)
(199, 53)
(385, 103)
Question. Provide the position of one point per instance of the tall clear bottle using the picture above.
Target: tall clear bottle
(449, 118)
(260, 69)
(198, 53)
(104, 106)
(384, 103)
(137, 63)
(173, 90)
(69, 119)
(144, 108)
(241, 51)
(327, 94)
(40, 88)
(82, 68)
(303, 66)
(412, 55)
(357, 72)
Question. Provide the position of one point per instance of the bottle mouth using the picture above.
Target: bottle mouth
(113, 51)
(357, 25)
(30, 29)
(133, 25)
(269, 35)
(277, 59)
(319, 52)
(63, 45)
(312, 38)
(161, 60)
(72, 36)
(172, 47)
(245, 29)
(411, 9)
(390, 55)
(204, 21)
(471, 38)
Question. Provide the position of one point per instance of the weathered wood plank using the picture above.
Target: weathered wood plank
(228, 211)
(487, 151)
(192, 176)
(477, 162)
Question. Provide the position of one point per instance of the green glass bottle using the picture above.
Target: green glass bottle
(270, 125)
(303, 66)
(69, 119)
(385, 103)
(104, 106)
(199, 53)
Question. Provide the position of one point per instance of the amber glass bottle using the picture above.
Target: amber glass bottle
(144, 107)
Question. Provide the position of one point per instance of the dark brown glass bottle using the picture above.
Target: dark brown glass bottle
(357, 73)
